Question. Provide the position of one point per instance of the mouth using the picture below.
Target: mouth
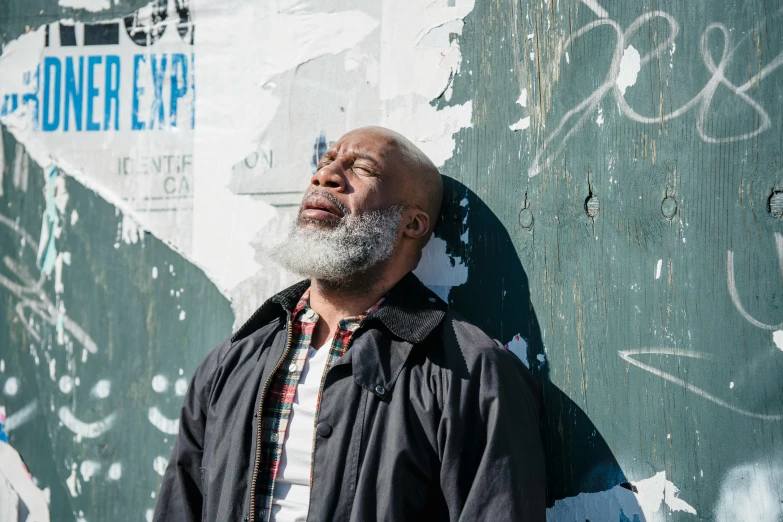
(320, 208)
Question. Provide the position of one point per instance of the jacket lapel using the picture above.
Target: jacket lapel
(381, 348)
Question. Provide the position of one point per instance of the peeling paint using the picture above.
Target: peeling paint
(630, 65)
(777, 338)
(522, 124)
(518, 346)
(439, 271)
(654, 495)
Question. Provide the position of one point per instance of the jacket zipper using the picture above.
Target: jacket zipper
(258, 423)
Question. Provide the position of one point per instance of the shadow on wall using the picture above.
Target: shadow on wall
(496, 298)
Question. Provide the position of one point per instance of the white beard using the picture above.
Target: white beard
(335, 255)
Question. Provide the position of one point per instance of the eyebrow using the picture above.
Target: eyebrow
(359, 154)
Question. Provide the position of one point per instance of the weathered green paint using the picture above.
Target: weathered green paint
(592, 281)
(569, 258)
(134, 319)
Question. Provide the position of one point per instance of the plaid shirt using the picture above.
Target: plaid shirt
(280, 396)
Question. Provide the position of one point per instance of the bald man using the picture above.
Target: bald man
(357, 394)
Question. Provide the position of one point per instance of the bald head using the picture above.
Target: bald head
(409, 173)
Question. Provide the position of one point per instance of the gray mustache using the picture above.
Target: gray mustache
(326, 195)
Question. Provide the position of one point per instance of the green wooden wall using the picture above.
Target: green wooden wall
(630, 236)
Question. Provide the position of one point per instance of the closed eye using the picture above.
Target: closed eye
(364, 170)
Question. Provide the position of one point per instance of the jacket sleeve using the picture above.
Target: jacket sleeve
(492, 458)
(181, 496)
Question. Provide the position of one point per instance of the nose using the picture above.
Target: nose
(329, 176)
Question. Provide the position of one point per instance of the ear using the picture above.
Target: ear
(415, 223)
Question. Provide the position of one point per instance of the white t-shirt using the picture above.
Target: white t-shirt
(291, 494)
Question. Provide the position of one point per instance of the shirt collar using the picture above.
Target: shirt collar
(409, 310)
(302, 311)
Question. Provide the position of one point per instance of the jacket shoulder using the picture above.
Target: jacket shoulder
(235, 348)
(466, 342)
(457, 332)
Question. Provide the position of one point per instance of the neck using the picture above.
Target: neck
(333, 302)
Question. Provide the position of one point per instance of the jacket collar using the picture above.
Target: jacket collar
(410, 311)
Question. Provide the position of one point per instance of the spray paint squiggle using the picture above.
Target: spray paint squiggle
(575, 118)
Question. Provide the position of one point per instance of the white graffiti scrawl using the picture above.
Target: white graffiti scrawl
(629, 355)
(613, 83)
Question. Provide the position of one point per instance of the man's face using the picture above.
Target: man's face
(349, 221)
(353, 177)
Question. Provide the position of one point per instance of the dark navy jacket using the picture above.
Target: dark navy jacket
(430, 420)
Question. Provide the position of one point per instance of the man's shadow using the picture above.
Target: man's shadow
(497, 298)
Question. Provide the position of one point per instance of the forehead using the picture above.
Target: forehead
(366, 144)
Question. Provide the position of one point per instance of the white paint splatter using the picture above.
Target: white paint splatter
(132, 232)
(93, 6)
(90, 430)
(89, 468)
(74, 486)
(115, 471)
(658, 269)
(630, 65)
(522, 124)
(21, 417)
(181, 387)
(541, 357)
(163, 423)
(777, 338)
(522, 100)
(102, 389)
(751, 493)
(53, 369)
(11, 386)
(2, 365)
(154, 272)
(160, 383)
(518, 346)
(148, 515)
(74, 217)
(182, 315)
(653, 494)
(600, 119)
(65, 384)
(63, 258)
(731, 385)
(159, 465)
